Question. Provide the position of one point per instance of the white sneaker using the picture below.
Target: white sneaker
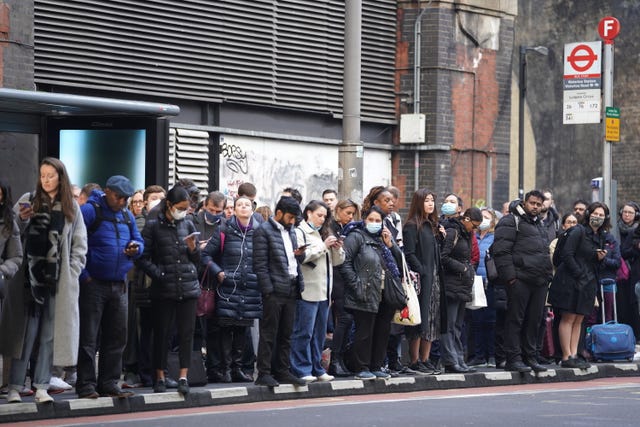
(13, 396)
(57, 383)
(309, 378)
(326, 377)
(42, 396)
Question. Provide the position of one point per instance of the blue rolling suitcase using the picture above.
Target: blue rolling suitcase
(611, 340)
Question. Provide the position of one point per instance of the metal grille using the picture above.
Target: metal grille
(284, 53)
(189, 157)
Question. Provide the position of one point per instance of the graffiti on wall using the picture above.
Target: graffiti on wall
(274, 165)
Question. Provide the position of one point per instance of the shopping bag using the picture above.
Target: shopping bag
(478, 297)
(409, 315)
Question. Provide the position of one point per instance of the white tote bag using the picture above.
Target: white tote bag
(410, 314)
(478, 297)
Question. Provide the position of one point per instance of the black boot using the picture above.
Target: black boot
(337, 368)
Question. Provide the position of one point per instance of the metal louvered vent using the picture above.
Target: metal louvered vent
(284, 53)
(189, 157)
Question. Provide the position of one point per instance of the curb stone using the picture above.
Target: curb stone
(67, 405)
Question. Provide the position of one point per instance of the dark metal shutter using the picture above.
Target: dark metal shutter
(284, 53)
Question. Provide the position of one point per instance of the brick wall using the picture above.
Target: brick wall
(18, 152)
(465, 95)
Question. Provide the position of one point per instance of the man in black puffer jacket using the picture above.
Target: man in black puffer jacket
(521, 253)
(275, 251)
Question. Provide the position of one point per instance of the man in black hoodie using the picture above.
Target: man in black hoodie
(521, 253)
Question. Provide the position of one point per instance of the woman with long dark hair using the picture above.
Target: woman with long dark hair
(55, 253)
(171, 253)
(323, 251)
(422, 240)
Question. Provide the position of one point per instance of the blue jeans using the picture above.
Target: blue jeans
(40, 327)
(103, 313)
(309, 332)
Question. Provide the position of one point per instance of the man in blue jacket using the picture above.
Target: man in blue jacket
(114, 242)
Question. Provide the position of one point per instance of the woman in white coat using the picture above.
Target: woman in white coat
(323, 250)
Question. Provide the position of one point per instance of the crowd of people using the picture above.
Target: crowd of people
(100, 286)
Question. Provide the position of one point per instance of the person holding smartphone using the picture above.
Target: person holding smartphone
(46, 315)
(170, 257)
(574, 286)
(114, 242)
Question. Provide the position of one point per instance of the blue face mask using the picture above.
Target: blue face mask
(210, 218)
(313, 226)
(448, 208)
(374, 227)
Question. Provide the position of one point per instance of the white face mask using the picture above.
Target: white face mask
(178, 215)
(485, 224)
(154, 203)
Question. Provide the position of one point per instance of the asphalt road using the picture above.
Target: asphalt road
(610, 402)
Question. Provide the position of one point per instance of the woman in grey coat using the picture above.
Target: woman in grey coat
(47, 309)
(10, 245)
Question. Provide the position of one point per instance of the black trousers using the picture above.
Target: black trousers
(342, 328)
(276, 326)
(371, 337)
(164, 313)
(524, 310)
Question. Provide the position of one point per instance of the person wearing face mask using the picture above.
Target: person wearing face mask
(458, 280)
(371, 260)
(483, 320)
(323, 251)
(583, 258)
(208, 220)
(171, 255)
(276, 263)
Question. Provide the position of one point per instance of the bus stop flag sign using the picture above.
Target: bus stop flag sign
(582, 83)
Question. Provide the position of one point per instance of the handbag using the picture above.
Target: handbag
(623, 272)
(206, 305)
(393, 293)
(409, 315)
(490, 266)
(478, 297)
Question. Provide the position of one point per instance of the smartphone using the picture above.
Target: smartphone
(133, 245)
(341, 238)
(302, 247)
(25, 205)
(194, 234)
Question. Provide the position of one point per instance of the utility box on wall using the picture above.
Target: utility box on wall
(412, 128)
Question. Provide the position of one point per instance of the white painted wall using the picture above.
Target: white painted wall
(272, 165)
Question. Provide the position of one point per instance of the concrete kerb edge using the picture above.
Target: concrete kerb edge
(202, 397)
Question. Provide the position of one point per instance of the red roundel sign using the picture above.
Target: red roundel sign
(609, 28)
(582, 58)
